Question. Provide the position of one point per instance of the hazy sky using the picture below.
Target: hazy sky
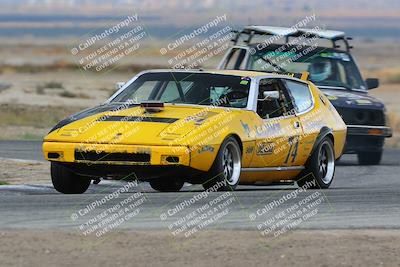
(257, 7)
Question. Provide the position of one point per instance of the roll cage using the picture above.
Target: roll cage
(249, 32)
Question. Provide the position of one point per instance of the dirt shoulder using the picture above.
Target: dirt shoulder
(14, 171)
(207, 248)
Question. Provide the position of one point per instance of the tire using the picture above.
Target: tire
(225, 173)
(67, 182)
(369, 158)
(320, 166)
(166, 185)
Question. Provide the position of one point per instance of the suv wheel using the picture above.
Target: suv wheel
(370, 158)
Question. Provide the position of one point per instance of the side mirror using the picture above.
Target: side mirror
(119, 85)
(372, 83)
(270, 95)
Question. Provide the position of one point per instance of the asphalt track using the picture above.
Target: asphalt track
(360, 197)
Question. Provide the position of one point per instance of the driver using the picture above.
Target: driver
(270, 108)
(320, 69)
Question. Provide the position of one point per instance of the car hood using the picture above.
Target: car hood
(131, 125)
(352, 99)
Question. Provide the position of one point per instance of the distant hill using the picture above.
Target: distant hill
(165, 17)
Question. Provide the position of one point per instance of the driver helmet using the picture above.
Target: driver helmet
(320, 70)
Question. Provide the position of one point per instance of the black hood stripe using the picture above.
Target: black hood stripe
(138, 119)
(91, 111)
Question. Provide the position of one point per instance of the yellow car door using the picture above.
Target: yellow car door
(309, 118)
(277, 142)
(278, 131)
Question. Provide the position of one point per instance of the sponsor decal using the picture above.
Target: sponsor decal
(342, 56)
(363, 102)
(265, 148)
(269, 128)
(245, 80)
(246, 128)
(249, 149)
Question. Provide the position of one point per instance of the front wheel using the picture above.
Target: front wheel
(369, 158)
(225, 172)
(67, 182)
(320, 168)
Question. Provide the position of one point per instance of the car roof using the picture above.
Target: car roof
(247, 73)
(240, 73)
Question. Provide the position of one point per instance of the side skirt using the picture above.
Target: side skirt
(273, 169)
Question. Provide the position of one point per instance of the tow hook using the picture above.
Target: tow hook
(96, 181)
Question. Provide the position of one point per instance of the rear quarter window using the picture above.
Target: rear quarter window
(301, 94)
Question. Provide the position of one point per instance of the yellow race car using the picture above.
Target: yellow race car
(218, 128)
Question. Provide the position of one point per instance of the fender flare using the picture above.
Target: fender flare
(324, 132)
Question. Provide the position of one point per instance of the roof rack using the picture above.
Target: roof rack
(333, 36)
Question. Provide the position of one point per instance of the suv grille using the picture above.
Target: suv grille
(353, 116)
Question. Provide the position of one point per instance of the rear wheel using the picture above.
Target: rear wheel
(225, 172)
(320, 168)
(166, 185)
(67, 182)
(369, 158)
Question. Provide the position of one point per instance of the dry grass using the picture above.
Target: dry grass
(394, 120)
(38, 116)
(69, 66)
(23, 122)
(69, 94)
(14, 172)
(23, 133)
(40, 88)
(386, 75)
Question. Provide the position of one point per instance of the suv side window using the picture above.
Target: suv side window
(301, 95)
(235, 59)
(273, 107)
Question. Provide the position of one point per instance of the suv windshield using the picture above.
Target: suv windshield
(188, 88)
(335, 69)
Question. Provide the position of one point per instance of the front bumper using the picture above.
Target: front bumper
(382, 131)
(116, 154)
(361, 138)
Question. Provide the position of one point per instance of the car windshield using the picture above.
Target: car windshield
(335, 69)
(187, 88)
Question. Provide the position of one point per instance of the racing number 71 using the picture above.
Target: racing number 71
(294, 146)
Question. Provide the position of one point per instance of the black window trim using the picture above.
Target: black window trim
(285, 91)
(294, 101)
